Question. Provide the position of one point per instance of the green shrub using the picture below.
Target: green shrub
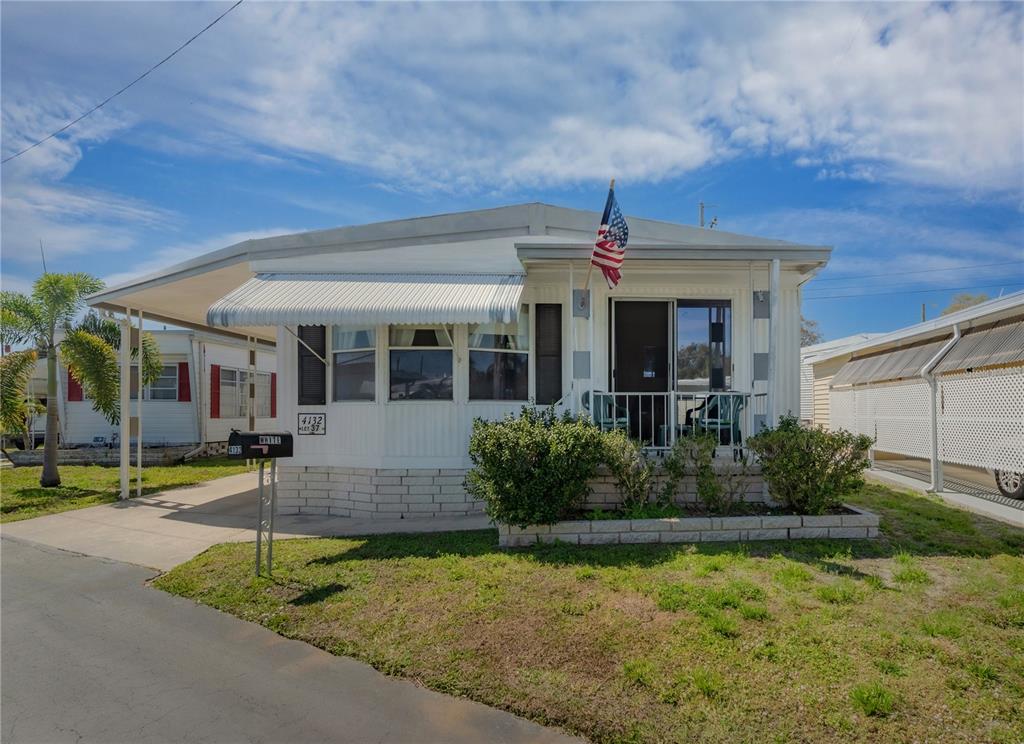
(809, 469)
(631, 468)
(873, 699)
(694, 455)
(532, 468)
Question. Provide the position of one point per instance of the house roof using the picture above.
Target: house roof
(502, 239)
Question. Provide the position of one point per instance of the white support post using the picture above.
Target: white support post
(138, 409)
(573, 402)
(773, 338)
(125, 423)
(938, 484)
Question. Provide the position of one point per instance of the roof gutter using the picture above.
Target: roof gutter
(926, 374)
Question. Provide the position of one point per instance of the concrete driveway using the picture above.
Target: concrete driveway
(165, 529)
(91, 654)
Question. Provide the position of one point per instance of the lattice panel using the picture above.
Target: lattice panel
(843, 410)
(898, 416)
(982, 419)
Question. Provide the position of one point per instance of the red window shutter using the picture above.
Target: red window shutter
(273, 395)
(74, 388)
(184, 384)
(214, 391)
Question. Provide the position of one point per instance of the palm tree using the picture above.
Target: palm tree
(15, 407)
(44, 318)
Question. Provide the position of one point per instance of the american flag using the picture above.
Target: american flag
(610, 248)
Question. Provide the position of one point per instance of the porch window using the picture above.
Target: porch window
(703, 345)
(420, 363)
(499, 359)
(355, 351)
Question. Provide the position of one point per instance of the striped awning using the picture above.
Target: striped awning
(997, 346)
(898, 364)
(369, 299)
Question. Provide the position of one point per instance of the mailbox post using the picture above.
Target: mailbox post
(262, 446)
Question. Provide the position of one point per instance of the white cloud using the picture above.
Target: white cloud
(38, 205)
(468, 97)
(877, 249)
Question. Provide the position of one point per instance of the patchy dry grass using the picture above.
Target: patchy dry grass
(88, 485)
(917, 636)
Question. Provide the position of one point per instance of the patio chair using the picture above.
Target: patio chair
(606, 414)
(722, 414)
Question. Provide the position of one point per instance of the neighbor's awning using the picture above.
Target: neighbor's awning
(898, 364)
(997, 346)
(369, 299)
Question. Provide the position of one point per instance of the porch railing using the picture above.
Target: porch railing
(658, 419)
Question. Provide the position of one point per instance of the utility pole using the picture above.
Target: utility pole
(701, 212)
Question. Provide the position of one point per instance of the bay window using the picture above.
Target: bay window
(499, 360)
(420, 363)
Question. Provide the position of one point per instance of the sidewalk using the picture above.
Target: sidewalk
(164, 529)
(984, 507)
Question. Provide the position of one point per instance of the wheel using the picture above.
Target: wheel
(19, 442)
(1010, 484)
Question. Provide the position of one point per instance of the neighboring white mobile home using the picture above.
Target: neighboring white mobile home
(815, 379)
(393, 337)
(949, 390)
(200, 396)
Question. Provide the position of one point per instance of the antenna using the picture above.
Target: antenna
(42, 255)
(700, 215)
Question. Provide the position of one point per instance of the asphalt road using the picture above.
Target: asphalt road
(92, 654)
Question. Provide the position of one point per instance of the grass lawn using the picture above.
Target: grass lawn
(88, 485)
(918, 636)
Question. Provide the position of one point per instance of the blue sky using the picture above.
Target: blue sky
(892, 132)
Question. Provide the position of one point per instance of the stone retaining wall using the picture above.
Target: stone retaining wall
(858, 524)
(391, 493)
(99, 456)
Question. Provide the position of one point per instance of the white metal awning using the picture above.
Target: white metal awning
(898, 364)
(369, 299)
(997, 346)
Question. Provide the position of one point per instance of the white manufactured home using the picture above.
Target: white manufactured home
(393, 337)
(948, 391)
(815, 379)
(200, 396)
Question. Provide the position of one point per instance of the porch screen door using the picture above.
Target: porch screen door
(641, 361)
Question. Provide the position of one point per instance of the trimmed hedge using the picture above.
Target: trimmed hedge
(533, 468)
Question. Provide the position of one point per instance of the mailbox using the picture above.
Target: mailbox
(259, 445)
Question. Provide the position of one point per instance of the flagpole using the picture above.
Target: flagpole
(586, 285)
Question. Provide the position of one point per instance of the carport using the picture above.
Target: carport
(949, 392)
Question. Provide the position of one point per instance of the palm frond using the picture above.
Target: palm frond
(62, 296)
(20, 318)
(15, 372)
(94, 364)
(151, 365)
(107, 329)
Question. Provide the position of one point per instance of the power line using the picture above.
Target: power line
(111, 97)
(914, 291)
(919, 271)
(824, 291)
